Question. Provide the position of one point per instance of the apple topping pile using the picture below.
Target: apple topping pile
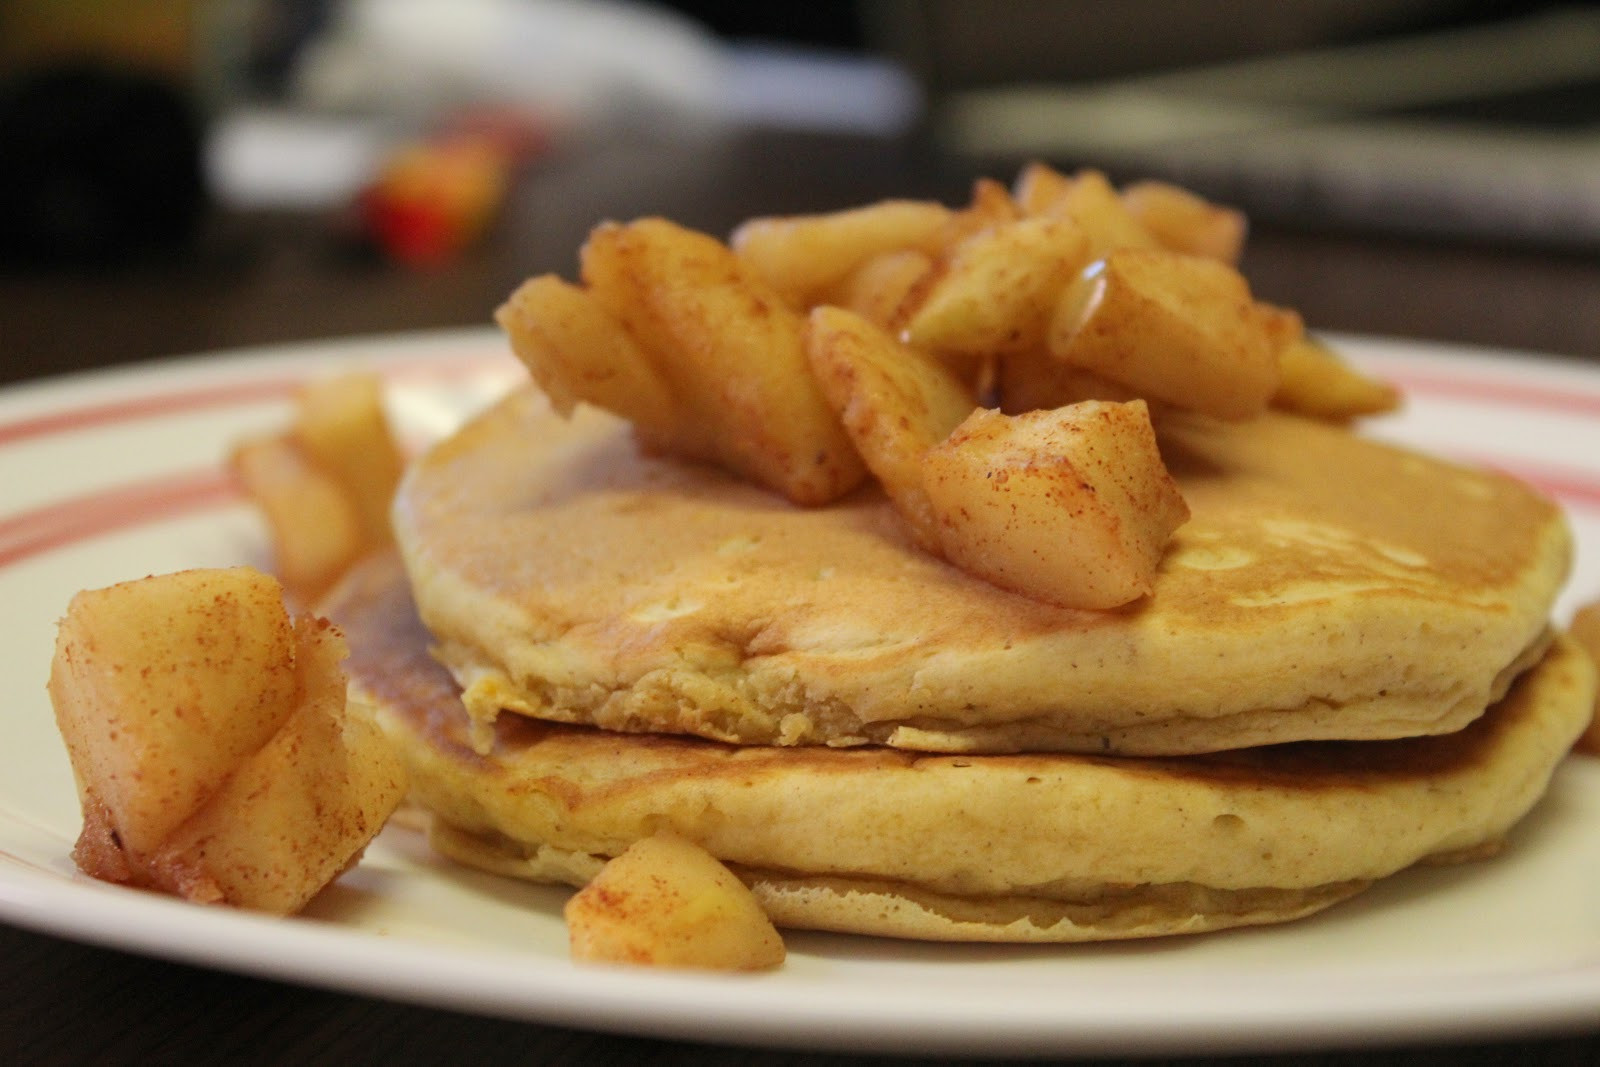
(995, 367)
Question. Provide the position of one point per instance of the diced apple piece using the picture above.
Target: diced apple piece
(801, 256)
(577, 351)
(667, 902)
(324, 484)
(731, 350)
(1071, 506)
(895, 402)
(1314, 381)
(997, 292)
(1039, 185)
(886, 288)
(209, 741)
(991, 205)
(1092, 203)
(315, 528)
(340, 422)
(300, 811)
(1177, 328)
(163, 686)
(1186, 222)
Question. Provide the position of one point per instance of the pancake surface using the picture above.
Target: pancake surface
(1039, 847)
(1326, 586)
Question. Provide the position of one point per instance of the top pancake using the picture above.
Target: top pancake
(1326, 586)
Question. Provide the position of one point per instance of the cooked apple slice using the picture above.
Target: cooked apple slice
(209, 741)
(885, 289)
(313, 523)
(577, 351)
(1038, 186)
(1093, 203)
(667, 902)
(324, 484)
(802, 256)
(1177, 328)
(1315, 381)
(1185, 221)
(163, 686)
(1071, 506)
(895, 402)
(340, 422)
(731, 350)
(298, 812)
(996, 293)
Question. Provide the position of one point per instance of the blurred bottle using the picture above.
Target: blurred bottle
(103, 138)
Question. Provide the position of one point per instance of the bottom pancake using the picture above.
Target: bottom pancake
(983, 848)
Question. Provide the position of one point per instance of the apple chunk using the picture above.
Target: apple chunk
(209, 740)
(324, 485)
(1071, 506)
(1314, 381)
(802, 256)
(1186, 222)
(895, 402)
(667, 902)
(163, 686)
(577, 351)
(996, 291)
(1178, 328)
(299, 811)
(731, 351)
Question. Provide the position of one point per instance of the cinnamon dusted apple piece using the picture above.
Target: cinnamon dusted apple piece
(995, 294)
(731, 351)
(667, 902)
(1071, 506)
(804, 256)
(895, 402)
(1177, 328)
(1089, 200)
(578, 351)
(1315, 381)
(324, 484)
(1184, 221)
(210, 741)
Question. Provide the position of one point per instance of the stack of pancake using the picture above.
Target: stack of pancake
(1345, 668)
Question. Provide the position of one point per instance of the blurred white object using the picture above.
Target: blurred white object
(291, 161)
(386, 68)
(577, 59)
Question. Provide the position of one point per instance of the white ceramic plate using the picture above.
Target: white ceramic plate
(112, 476)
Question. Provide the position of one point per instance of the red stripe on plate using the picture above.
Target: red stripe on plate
(434, 367)
(140, 407)
(57, 525)
(1489, 390)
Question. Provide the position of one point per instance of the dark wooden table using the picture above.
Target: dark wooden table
(271, 278)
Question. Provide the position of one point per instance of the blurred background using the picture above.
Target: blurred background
(186, 175)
